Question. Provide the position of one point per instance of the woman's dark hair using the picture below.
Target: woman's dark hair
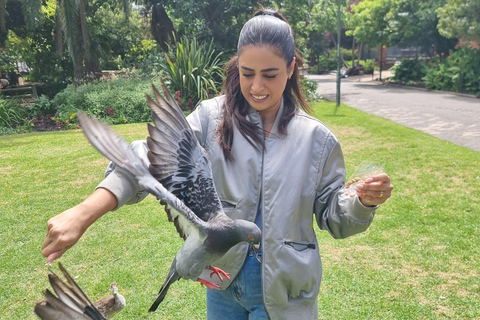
(265, 28)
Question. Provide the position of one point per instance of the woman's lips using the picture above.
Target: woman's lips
(257, 98)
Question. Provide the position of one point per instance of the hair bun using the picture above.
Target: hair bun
(270, 12)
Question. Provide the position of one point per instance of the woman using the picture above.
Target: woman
(272, 164)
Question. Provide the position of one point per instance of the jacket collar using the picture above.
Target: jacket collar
(254, 117)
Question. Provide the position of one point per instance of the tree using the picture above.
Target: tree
(52, 39)
(72, 26)
(399, 22)
(372, 23)
(315, 23)
(120, 42)
(220, 20)
(161, 26)
(72, 14)
(460, 19)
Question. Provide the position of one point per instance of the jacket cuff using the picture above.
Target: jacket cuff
(123, 186)
(359, 212)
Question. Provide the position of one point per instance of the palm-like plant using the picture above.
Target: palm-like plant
(194, 70)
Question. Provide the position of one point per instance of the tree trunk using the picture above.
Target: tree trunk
(360, 50)
(3, 27)
(58, 39)
(83, 28)
(162, 27)
(353, 52)
(78, 52)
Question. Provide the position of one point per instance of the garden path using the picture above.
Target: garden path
(448, 116)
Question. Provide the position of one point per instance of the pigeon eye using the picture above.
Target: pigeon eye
(250, 237)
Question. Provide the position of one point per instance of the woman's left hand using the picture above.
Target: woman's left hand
(375, 190)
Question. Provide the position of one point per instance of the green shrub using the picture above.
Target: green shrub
(346, 53)
(309, 89)
(368, 65)
(325, 64)
(43, 107)
(116, 101)
(11, 114)
(151, 66)
(457, 72)
(409, 70)
(328, 61)
(193, 72)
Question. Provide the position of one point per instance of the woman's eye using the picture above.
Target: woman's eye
(270, 77)
(247, 75)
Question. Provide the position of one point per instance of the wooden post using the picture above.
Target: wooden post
(382, 58)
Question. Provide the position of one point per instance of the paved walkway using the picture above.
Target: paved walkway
(448, 116)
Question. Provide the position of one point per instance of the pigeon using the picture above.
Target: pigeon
(180, 176)
(72, 304)
(110, 305)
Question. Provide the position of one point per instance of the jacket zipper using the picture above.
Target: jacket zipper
(261, 198)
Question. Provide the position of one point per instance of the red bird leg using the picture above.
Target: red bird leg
(219, 273)
(210, 285)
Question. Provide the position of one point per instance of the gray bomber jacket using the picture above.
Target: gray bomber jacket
(299, 175)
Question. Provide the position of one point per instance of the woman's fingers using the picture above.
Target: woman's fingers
(55, 255)
(375, 190)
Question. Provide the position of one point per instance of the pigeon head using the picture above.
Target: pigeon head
(114, 288)
(249, 232)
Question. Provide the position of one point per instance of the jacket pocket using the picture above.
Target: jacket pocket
(299, 245)
(227, 204)
(297, 271)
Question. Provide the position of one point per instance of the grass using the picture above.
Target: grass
(418, 260)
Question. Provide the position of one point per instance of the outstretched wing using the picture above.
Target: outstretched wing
(115, 148)
(70, 302)
(177, 159)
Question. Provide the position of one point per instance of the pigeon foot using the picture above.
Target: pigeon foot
(219, 272)
(210, 285)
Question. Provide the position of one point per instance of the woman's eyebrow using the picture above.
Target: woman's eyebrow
(263, 70)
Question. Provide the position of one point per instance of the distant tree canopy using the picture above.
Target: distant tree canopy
(460, 19)
(400, 22)
(69, 39)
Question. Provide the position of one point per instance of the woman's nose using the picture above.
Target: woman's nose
(257, 85)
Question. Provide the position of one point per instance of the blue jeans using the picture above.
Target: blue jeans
(243, 299)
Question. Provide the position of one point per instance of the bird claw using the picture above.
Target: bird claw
(210, 285)
(219, 273)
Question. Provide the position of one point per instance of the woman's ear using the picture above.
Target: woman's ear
(291, 68)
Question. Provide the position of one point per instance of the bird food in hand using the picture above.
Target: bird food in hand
(366, 169)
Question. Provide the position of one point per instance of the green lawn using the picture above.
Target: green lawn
(418, 260)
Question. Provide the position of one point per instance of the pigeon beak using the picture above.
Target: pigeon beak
(255, 247)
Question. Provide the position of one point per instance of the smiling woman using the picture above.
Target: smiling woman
(264, 71)
(263, 77)
(272, 164)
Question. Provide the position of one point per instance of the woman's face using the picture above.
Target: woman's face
(263, 76)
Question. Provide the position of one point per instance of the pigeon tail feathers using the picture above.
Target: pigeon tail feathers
(171, 278)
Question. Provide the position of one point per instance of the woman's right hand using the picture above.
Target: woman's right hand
(65, 229)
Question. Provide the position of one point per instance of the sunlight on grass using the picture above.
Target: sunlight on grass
(418, 260)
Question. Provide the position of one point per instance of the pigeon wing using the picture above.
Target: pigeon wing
(52, 308)
(71, 302)
(115, 148)
(177, 159)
